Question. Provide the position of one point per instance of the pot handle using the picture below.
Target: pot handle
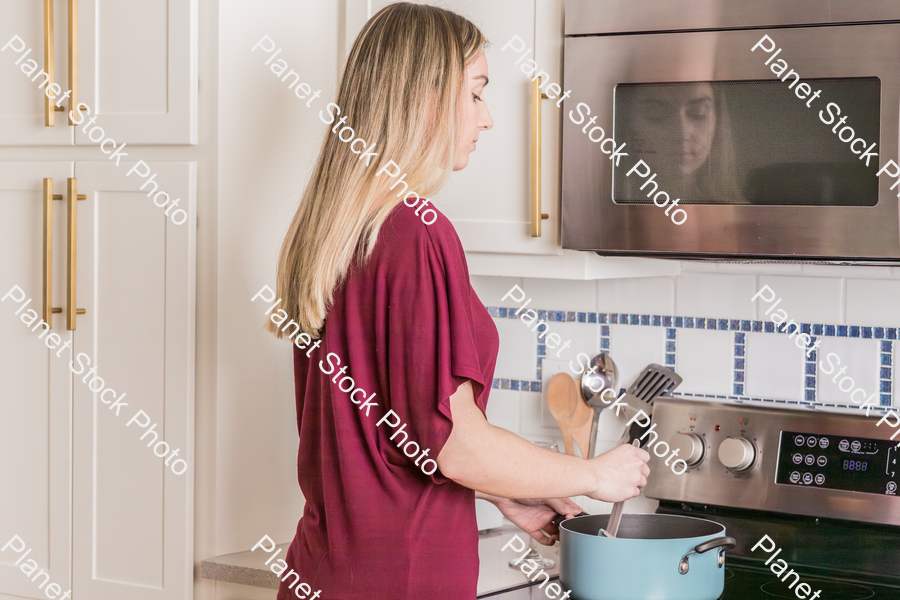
(720, 542)
(558, 519)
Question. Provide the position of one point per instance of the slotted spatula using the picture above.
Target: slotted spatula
(654, 381)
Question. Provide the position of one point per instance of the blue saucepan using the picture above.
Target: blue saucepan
(653, 557)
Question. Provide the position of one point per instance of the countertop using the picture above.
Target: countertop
(494, 576)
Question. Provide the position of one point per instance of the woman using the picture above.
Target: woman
(682, 130)
(406, 329)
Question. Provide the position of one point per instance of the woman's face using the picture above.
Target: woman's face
(675, 125)
(475, 116)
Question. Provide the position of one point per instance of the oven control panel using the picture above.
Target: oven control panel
(837, 462)
(805, 462)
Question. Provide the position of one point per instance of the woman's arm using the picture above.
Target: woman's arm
(534, 517)
(494, 461)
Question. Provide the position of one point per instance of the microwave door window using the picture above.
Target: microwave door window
(751, 142)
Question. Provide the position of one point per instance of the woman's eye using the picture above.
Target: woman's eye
(699, 113)
(476, 97)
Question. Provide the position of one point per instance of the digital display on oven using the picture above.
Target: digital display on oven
(837, 462)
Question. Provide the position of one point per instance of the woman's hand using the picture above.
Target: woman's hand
(532, 516)
(621, 473)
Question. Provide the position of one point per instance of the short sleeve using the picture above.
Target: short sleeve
(431, 332)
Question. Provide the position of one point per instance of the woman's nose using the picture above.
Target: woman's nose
(686, 126)
(484, 120)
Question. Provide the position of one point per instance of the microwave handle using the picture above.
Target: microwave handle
(536, 215)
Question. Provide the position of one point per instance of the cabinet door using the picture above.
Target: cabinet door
(35, 405)
(138, 69)
(489, 202)
(22, 116)
(133, 517)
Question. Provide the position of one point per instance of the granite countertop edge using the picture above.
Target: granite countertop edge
(233, 568)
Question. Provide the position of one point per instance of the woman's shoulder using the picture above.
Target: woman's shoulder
(404, 230)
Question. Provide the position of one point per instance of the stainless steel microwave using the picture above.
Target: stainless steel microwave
(760, 119)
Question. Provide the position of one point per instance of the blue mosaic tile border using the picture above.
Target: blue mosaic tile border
(811, 373)
(672, 323)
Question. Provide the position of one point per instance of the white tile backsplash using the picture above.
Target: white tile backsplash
(705, 360)
(872, 301)
(517, 358)
(804, 299)
(584, 337)
(561, 294)
(719, 296)
(776, 368)
(610, 429)
(860, 357)
(531, 425)
(633, 348)
(503, 409)
(654, 295)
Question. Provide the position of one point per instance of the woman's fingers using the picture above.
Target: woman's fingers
(564, 506)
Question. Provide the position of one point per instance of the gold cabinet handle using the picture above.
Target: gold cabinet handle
(72, 198)
(536, 215)
(73, 58)
(47, 308)
(49, 108)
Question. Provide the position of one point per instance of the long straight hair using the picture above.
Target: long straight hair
(400, 88)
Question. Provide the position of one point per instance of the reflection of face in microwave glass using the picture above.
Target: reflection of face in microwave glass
(675, 126)
(748, 142)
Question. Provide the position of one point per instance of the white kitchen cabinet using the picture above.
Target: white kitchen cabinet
(136, 70)
(36, 398)
(489, 202)
(22, 114)
(131, 528)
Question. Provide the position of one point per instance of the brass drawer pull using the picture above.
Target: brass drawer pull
(72, 197)
(73, 58)
(47, 309)
(49, 108)
(536, 215)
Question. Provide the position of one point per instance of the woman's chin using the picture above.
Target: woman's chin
(461, 162)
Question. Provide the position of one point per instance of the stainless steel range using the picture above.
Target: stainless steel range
(821, 486)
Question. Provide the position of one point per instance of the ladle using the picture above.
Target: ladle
(601, 371)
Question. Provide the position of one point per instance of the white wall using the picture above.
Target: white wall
(268, 140)
(264, 141)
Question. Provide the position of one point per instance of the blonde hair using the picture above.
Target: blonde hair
(400, 88)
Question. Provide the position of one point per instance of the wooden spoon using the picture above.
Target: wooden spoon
(561, 393)
(581, 425)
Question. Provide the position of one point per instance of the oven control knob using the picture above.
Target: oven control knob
(690, 448)
(737, 453)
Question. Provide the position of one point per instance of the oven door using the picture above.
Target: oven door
(756, 163)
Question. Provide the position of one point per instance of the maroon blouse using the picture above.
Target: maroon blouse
(410, 329)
